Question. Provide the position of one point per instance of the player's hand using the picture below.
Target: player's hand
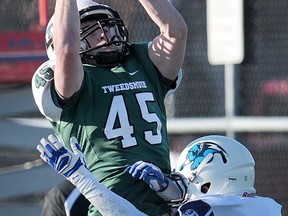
(60, 158)
(150, 174)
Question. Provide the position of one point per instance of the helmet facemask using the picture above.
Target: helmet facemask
(103, 18)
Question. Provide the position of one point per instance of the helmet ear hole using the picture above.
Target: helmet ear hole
(205, 187)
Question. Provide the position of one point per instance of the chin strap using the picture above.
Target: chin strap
(200, 167)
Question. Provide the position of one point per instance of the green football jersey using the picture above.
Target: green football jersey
(119, 118)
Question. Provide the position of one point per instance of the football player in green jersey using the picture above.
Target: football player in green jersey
(109, 93)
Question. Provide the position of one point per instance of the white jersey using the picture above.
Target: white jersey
(220, 205)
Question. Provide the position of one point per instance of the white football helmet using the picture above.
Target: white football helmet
(217, 165)
(102, 16)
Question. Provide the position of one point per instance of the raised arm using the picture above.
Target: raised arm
(157, 181)
(168, 48)
(72, 165)
(68, 74)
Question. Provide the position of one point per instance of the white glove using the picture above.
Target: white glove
(60, 158)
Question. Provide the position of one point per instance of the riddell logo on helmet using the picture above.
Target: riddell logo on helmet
(249, 194)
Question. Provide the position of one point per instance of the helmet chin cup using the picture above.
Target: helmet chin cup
(102, 58)
(110, 59)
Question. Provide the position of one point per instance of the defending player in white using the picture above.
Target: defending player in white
(214, 176)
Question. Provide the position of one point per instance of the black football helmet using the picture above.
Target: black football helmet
(100, 16)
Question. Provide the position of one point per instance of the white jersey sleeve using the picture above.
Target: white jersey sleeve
(41, 89)
(219, 205)
(105, 201)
